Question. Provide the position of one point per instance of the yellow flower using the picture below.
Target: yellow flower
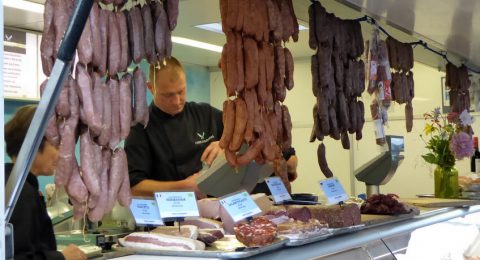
(429, 129)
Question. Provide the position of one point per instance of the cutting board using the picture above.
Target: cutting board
(376, 220)
(439, 203)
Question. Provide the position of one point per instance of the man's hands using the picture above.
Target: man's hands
(211, 152)
(72, 252)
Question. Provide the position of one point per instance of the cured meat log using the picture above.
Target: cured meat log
(259, 232)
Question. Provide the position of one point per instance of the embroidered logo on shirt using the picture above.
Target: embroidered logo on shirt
(202, 138)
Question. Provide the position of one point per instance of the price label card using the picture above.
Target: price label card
(145, 212)
(240, 205)
(179, 204)
(278, 190)
(333, 190)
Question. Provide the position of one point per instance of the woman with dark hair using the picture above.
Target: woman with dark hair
(32, 227)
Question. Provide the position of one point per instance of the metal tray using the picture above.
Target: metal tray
(308, 238)
(344, 230)
(228, 247)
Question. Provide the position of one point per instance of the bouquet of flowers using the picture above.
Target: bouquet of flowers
(450, 138)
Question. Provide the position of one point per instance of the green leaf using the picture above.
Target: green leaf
(430, 158)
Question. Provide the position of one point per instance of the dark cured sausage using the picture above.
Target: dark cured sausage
(251, 153)
(240, 84)
(141, 107)
(76, 188)
(47, 44)
(250, 100)
(223, 14)
(288, 69)
(84, 47)
(103, 24)
(409, 116)
(269, 52)
(87, 164)
(231, 54)
(149, 33)
(114, 45)
(223, 66)
(360, 119)
(231, 158)
(262, 76)
(116, 177)
(322, 161)
(124, 47)
(135, 32)
(172, 12)
(161, 28)
(98, 100)
(84, 86)
(287, 127)
(115, 101)
(106, 133)
(250, 53)
(125, 105)
(96, 213)
(96, 36)
(124, 195)
(231, 15)
(240, 124)
(61, 16)
(228, 124)
(63, 108)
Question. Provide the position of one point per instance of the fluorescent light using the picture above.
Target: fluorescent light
(24, 5)
(213, 27)
(217, 27)
(197, 44)
(301, 27)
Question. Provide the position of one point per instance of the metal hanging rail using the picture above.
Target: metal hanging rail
(46, 106)
(443, 54)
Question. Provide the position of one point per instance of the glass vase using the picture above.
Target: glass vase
(446, 183)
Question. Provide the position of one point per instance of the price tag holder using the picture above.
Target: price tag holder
(177, 205)
(332, 188)
(278, 190)
(145, 212)
(240, 205)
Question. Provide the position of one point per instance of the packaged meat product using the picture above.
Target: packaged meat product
(154, 241)
(259, 232)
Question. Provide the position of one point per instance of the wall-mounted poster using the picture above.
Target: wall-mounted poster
(20, 65)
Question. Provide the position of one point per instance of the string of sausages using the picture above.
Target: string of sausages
(383, 56)
(257, 71)
(459, 83)
(338, 79)
(101, 100)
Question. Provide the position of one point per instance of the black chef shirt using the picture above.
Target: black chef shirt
(32, 227)
(170, 147)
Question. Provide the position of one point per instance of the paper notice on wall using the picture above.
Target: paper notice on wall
(20, 65)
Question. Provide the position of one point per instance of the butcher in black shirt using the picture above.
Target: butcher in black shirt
(32, 228)
(168, 153)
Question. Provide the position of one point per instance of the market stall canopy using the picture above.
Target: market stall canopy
(444, 25)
